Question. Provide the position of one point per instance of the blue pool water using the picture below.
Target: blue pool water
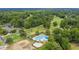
(41, 37)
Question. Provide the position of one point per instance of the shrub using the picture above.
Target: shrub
(1, 43)
(9, 41)
(55, 24)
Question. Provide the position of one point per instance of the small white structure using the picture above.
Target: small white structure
(37, 44)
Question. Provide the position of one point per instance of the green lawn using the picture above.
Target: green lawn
(32, 31)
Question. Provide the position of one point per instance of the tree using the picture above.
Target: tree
(55, 23)
(9, 41)
(65, 44)
(13, 31)
(74, 35)
(51, 46)
(23, 33)
(37, 32)
(62, 38)
(46, 22)
(57, 34)
(69, 23)
(2, 31)
(47, 32)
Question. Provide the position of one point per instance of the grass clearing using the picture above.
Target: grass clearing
(32, 31)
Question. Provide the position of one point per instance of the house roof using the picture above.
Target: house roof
(40, 37)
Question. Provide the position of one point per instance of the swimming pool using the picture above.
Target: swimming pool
(41, 37)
